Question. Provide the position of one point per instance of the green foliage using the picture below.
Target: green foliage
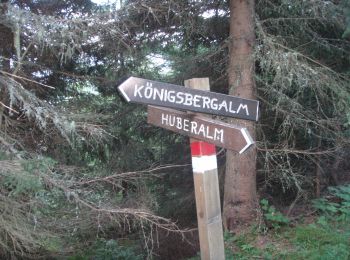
(337, 204)
(273, 217)
(95, 136)
(52, 244)
(327, 238)
(108, 250)
(27, 179)
(244, 247)
(318, 241)
(302, 88)
(25, 183)
(346, 8)
(316, 236)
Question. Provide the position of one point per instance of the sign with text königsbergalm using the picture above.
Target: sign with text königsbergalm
(150, 92)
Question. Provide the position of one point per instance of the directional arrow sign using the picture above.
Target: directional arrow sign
(173, 96)
(221, 134)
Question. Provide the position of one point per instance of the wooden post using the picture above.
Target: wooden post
(207, 193)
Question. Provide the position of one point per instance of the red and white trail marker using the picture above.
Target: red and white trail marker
(203, 156)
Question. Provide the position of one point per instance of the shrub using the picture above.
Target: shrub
(273, 217)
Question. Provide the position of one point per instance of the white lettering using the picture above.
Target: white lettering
(179, 123)
(180, 98)
(148, 91)
(194, 127)
(206, 102)
(165, 119)
(137, 90)
(165, 95)
(188, 99)
(219, 135)
(243, 107)
(230, 109)
(208, 136)
(159, 93)
(196, 100)
(186, 125)
(171, 96)
(201, 129)
(223, 104)
(214, 104)
(173, 122)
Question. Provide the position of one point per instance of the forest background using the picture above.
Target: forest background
(80, 168)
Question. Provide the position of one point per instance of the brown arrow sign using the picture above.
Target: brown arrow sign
(221, 134)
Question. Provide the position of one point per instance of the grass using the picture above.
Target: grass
(327, 237)
(315, 241)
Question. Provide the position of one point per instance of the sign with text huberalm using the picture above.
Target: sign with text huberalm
(221, 134)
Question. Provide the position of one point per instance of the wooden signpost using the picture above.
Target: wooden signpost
(207, 193)
(205, 133)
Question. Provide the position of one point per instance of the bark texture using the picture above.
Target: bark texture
(6, 36)
(240, 197)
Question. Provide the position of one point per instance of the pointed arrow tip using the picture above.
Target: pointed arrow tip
(247, 138)
(123, 86)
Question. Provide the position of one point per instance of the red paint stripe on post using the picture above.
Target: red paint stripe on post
(199, 148)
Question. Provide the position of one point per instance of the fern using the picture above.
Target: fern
(339, 207)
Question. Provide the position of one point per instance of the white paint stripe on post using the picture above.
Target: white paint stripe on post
(204, 163)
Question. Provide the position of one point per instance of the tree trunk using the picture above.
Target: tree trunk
(240, 197)
(6, 35)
